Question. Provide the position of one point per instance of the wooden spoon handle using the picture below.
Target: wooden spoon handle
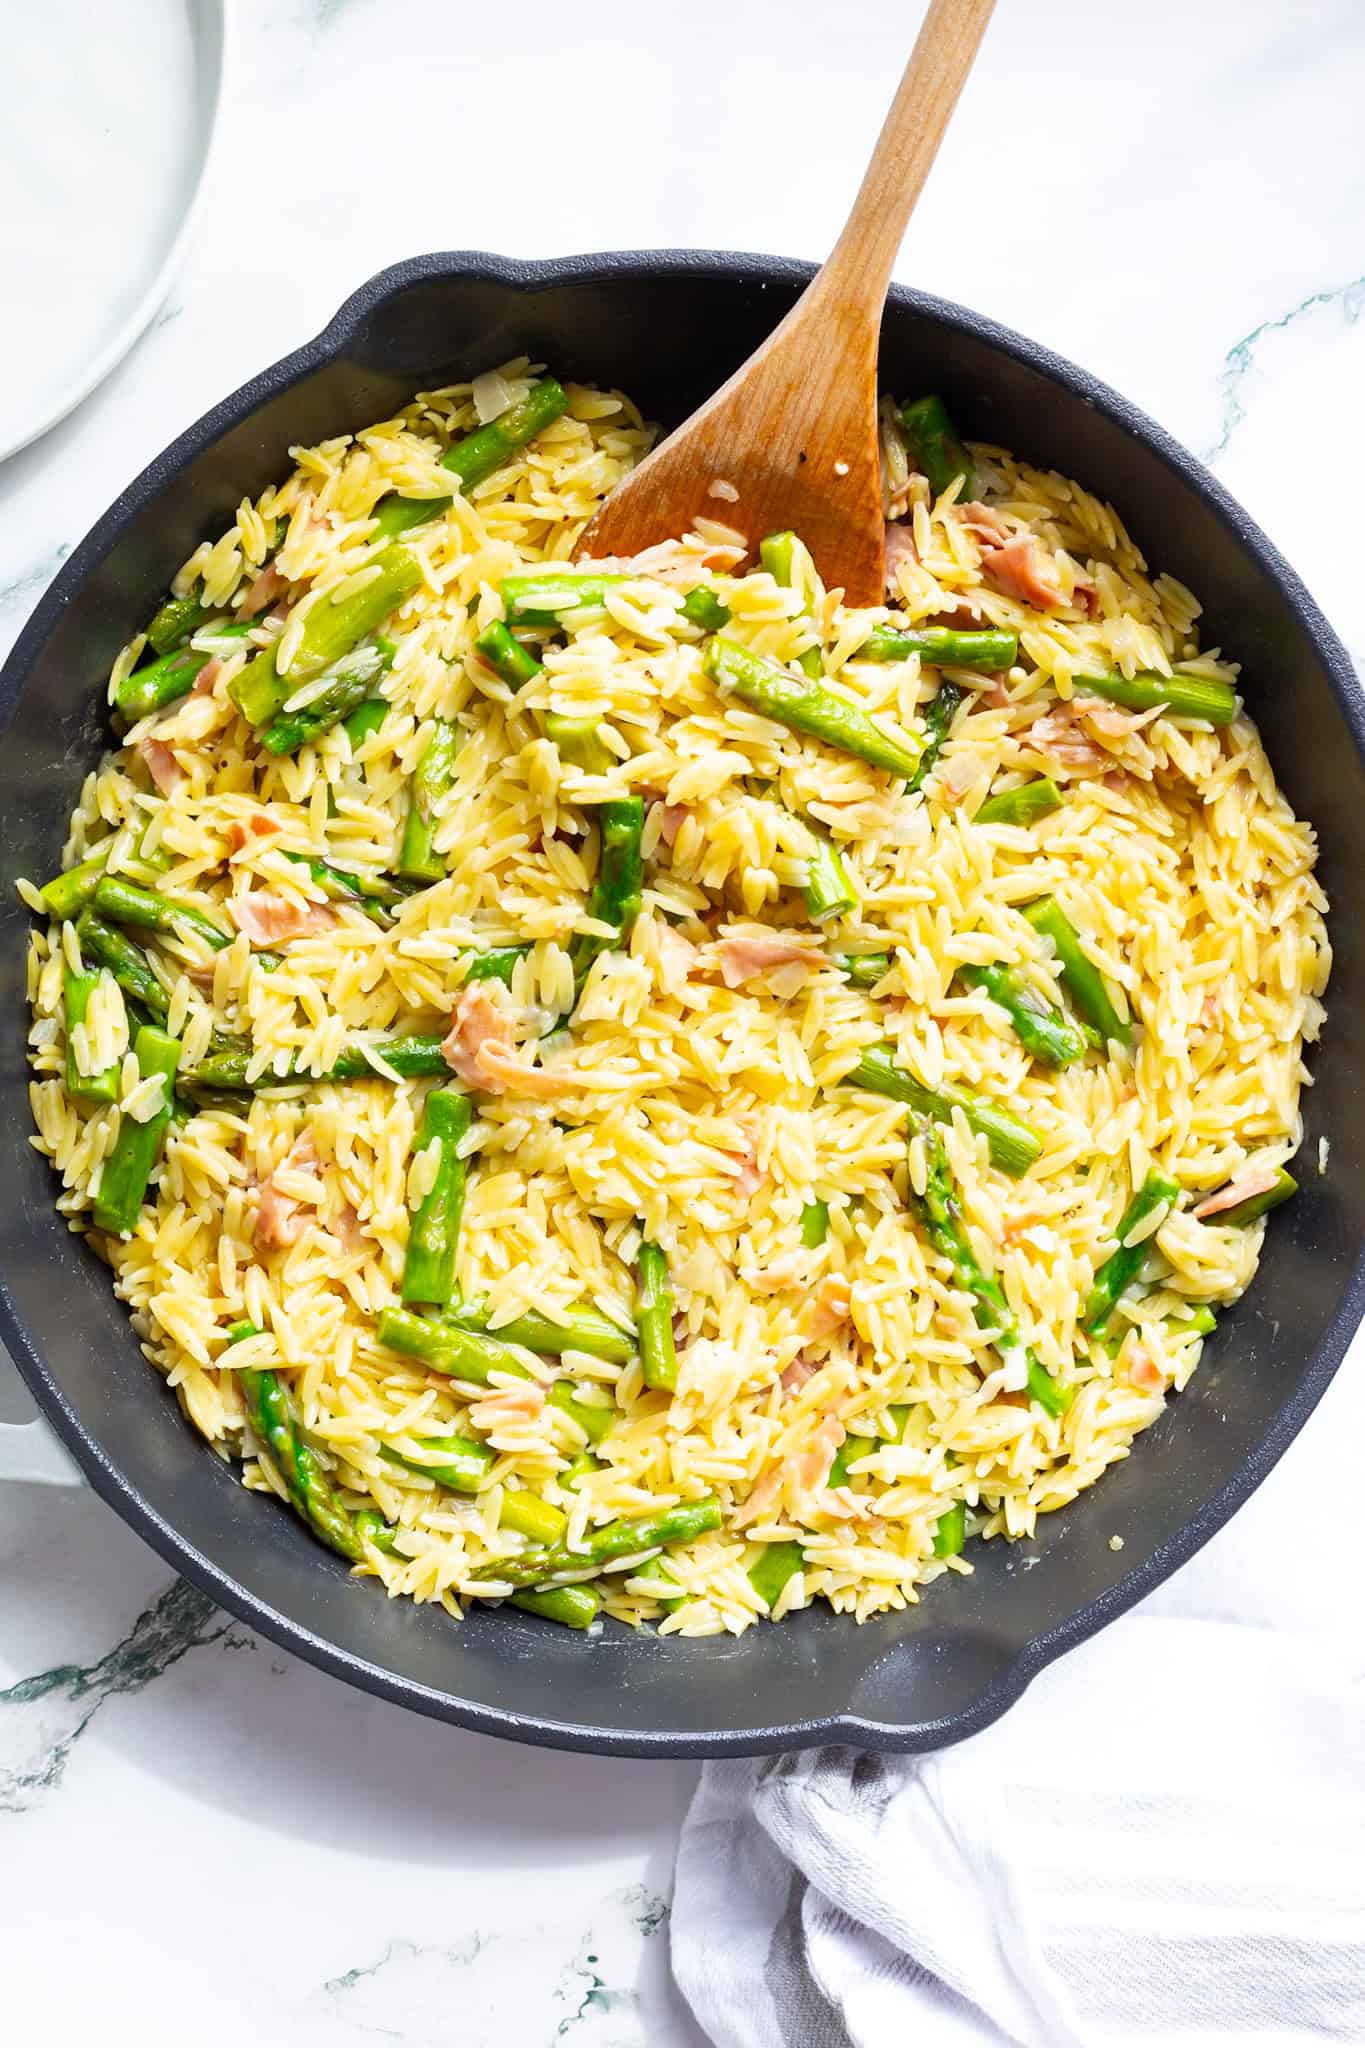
(859, 265)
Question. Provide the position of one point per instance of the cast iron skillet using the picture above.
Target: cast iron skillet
(669, 327)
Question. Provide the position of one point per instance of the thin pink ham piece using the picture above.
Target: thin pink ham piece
(1258, 1181)
(677, 957)
(832, 1307)
(1145, 1374)
(280, 1218)
(504, 1072)
(479, 1052)
(1057, 735)
(672, 817)
(207, 677)
(271, 920)
(1014, 563)
(507, 1407)
(812, 1466)
(900, 549)
(263, 590)
(165, 771)
(788, 1271)
(745, 956)
(240, 833)
(761, 1497)
(798, 1372)
(1110, 719)
(349, 1228)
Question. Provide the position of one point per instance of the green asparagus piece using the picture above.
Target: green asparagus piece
(1200, 1322)
(271, 1415)
(614, 1540)
(806, 707)
(416, 1057)
(1023, 805)
(654, 1318)
(1122, 1267)
(506, 656)
(938, 723)
(1044, 1032)
(934, 448)
(814, 1224)
(176, 622)
(457, 1462)
(127, 963)
(850, 1450)
(526, 1514)
(332, 630)
(864, 970)
(431, 785)
(165, 681)
(477, 455)
(701, 607)
(1184, 696)
(540, 597)
(1014, 1145)
(900, 1421)
(497, 964)
(349, 682)
(575, 740)
(463, 1354)
(1081, 979)
(574, 1606)
(1256, 1206)
(237, 1333)
(661, 1582)
(594, 1418)
(951, 1533)
(371, 1528)
(128, 1168)
(939, 1213)
(370, 893)
(771, 1570)
(77, 990)
(829, 886)
(364, 722)
(615, 897)
(942, 647)
(578, 1469)
(67, 894)
(582, 1329)
(777, 554)
(429, 1263)
(120, 902)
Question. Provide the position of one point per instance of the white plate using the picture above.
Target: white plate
(107, 113)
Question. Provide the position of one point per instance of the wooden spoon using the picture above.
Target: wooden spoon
(794, 431)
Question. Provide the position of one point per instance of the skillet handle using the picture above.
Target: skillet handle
(29, 1450)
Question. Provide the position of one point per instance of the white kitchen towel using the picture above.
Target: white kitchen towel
(1162, 1844)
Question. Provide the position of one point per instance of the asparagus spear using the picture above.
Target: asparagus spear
(814, 1224)
(1256, 1206)
(951, 1533)
(1043, 1031)
(457, 1462)
(594, 1418)
(121, 902)
(1184, 696)
(429, 1263)
(127, 963)
(1123, 1265)
(431, 785)
(829, 886)
(701, 607)
(541, 597)
(574, 1606)
(364, 722)
(942, 647)
(176, 622)
(165, 681)
(128, 1168)
(477, 455)
(578, 1469)
(370, 893)
(77, 990)
(498, 963)
(507, 657)
(581, 1329)
(771, 1570)
(1024, 805)
(614, 1540)
(271, 1415)
(777, 554)
(808, 708)
(237, 1333)
(615, 897)
(348, 684)
(654, 1318)
(333, 628)
(67, 894)
(416, 1057)
(1014, 1145)
(864, 970)
(1081, 979)
(938, 723)
(661, 1581)
(576, 741)
(463, 1354)
(933, 446)
(939, 1213)
(526, 1514)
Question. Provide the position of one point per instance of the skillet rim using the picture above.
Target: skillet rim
(1040, 1650)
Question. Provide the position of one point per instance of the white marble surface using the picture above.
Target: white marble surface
(200, 1837)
